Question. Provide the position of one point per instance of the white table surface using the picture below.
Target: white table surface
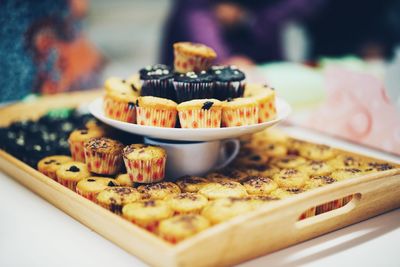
(35, 233)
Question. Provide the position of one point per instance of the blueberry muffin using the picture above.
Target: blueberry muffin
(186, 203)
(229, 82)
(180, 227)
(70, 173)
(49, 165)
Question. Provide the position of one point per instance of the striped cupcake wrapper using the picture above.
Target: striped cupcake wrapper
(101, 163)
(92, 196)
(114, 208)
(225, 90)
(77, 151)
(156, 117)
(119, 110)
(186, 91)
(159, 88)
(68, 183)
(184, 63)
(267, 110)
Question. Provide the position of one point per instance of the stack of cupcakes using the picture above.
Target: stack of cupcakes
(192, 94)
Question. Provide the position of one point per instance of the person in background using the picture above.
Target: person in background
(43, 50)
(243, 32)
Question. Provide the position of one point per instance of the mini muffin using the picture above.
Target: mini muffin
(290, 178)
(113, 198)
(224, 209)
(217, 177)
(147, 214)
(191, 184)
(78, 137)
(269, 171)
(192, 57)
(316, 167)
(317, 152)
(124, 180)
(261, 200)
(70, 173)
(229, 82)
(116, 84)
(346, 161)
(186, 203)
(223, 190)
(253, 159)
(200, 113)
(274, 150)
(283, 193)
(290, 161)
(180, 227)
(265, 98)
(156, 111)
(239, 112)
(318, 181)
(157, 81)
(258, 185)
(92, 186)
(49, 165)
(103, 155)
(94, 124)
(377, 167)
(191, 85)
(120, 105)
(346, 173)
(144, 163)
(159, 190)
(228, 174)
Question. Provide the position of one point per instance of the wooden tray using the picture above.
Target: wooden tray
(262, 231)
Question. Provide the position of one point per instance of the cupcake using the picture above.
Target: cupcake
(229, 82)
(317, 152)
(156, 111)
(49, 165)
(258, 185)
(157, 81)
(316, 167)
(191, 184)
(346, 161)
(274, 150)
(265, 98)
(261, 200)
(224, 209)
(103, 155)
(252, 159)
(159, 190)
(119, 100)
(92, 186)
(346, 173)
(124, 180)
(318, 181)
(181, 227)
(70, 173)
(200, 113)
(147, 214)
(186, 203)
(228, 174)
(113, 198)
(374, 166)
(239, 112)
(191, 85)
(192, 57)
(223, 190)
(145, 164)
(290, 161)
(283, 193)
(78, 137)
(290, 178)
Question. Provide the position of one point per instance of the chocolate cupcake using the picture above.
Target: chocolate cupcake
(229, 82)
(157, 81)
(193, 85)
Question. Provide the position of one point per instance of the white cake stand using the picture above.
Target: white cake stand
(180, 134)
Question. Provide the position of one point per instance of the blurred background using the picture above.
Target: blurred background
(318, 54)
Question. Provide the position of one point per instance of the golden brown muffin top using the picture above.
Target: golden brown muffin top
(240, 102)
(156, 103)
(104, 145)
(195, 49)
(143, 152)
(200, 104)
(81, 135)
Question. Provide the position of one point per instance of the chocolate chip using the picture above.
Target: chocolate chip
(134, 88)
(131, 105)
(255, 158)
(49, 161)
(91, 180)
(207, 105)
(84, 131)
(230, 99)
(111, 183)
(73, 168)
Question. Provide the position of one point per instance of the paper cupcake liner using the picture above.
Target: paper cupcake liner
(145, 171)
(151, 227)
(114, 208)
(185, 63)
(77, 151)
(159, 87)
(49, 174)
(347, 199)
(239, 117)
(102, 163)
(329, 206)
(225, 90)
(156, 117)
(119, 110)
(308, 213)
(186, 91)
(169, 238)
(267, 110)
(200, 118)
(92, 196)
(68, 183)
